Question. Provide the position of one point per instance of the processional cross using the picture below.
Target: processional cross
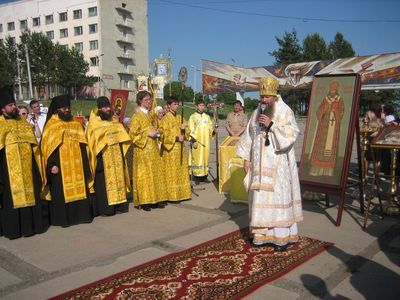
(214, 106)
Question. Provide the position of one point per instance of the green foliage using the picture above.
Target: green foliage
(381, 96)
(40, 51)
(8, 70)
(176, 90)
(227, 98)
(314, 48)
(340, 48)
(289, 50)
(49, 64)
(71, 69)
(250, 104)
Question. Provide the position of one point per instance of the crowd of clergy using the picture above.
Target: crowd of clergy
(62, 174)
(68, 175)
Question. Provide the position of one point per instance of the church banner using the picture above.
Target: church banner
(119, 100)
(380, 71)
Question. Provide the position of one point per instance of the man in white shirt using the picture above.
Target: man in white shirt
(37, 117)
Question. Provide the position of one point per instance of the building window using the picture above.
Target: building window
(78, 30)
(92, 28)
(63, 17)
(1, 27)
(94, 45)
(50, 35)
(64, 46)
(10, 26)
(94, 61)
(79, 46)
(126, 84)
(92, 11)
(78, 14)
(124, 18)
(63, 33)
(124, 33)
(23, 24)
(49, 19)
(36, 22)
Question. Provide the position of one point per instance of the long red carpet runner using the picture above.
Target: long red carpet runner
(225, 268)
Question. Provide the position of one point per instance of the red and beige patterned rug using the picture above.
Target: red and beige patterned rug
(225, 268)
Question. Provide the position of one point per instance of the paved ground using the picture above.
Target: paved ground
(363, 264)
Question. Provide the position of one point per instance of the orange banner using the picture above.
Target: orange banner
(119, 100)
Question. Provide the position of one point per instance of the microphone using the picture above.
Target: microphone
(263, 111)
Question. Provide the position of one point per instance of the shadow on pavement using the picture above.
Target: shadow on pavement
(370, 279)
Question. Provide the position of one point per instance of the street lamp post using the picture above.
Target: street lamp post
(98, 66)
(28, 67)
(194, 82)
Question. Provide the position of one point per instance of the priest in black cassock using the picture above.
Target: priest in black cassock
(22, 212)
(65, 166)
(108, 147)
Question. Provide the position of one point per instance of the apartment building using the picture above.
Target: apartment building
(111, 34)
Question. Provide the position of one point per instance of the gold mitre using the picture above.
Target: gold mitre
(268, 86)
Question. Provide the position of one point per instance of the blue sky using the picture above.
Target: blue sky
(243, 32)
(222, 30)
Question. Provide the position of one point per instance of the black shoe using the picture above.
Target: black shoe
(248, 240)
(159, 205)
(281, 248)
(146, 207)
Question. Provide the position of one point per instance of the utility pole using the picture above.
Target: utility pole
(19, 75)
(28, 67)
(170, 66)
(98, 66)
(194, 82)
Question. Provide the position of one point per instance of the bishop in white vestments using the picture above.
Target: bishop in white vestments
(272, 176)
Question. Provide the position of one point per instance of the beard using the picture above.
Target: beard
(268, 110)
(67, 116)
(105, 116)
(14, 114)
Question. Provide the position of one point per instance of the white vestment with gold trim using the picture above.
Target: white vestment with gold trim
(272, 181)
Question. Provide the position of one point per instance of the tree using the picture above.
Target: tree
(176, 90)
(8, 68)
(289, 50)
(71, 69)
(381, 96)
(340, 48)
(41, 52)
(250, 104)
(228, 98)
(314, 48)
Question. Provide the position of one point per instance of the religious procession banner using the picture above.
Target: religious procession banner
(118, 101)
(380, 71)
(142, 82)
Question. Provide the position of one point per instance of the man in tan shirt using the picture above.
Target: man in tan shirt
(236, 121)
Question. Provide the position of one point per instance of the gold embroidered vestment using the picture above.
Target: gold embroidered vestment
(18, 139)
